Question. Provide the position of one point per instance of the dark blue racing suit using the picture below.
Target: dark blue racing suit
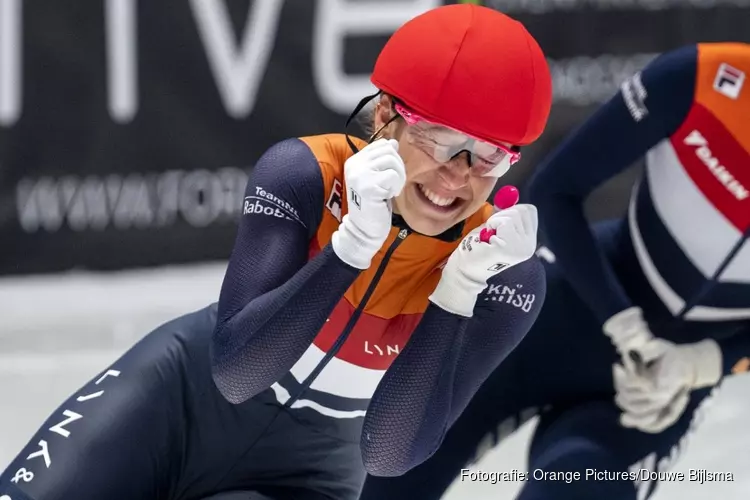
(305, 375)
(681, 254)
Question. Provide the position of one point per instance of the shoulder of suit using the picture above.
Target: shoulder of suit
(712, 55)
(332, 150)
(723, 88)
(723, 69)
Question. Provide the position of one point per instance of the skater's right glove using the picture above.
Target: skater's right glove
(656, 377)
(372, 177)
(629, 332)
(656, 395)
(474, 262)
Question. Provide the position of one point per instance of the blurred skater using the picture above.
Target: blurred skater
(644, 315)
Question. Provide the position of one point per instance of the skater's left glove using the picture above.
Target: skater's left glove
(474, 262)
(655, 380)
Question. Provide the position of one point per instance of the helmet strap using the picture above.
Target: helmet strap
(356, 111)
(377, 133)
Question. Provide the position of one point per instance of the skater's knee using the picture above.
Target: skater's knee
(109, 436)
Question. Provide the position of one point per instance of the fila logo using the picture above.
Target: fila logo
(498, 267)
(729, 81)
(355, 198)
(334, 200)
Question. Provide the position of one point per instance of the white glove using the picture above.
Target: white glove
(628, 331)
(372, 176)
(474, 262)
(654, 394)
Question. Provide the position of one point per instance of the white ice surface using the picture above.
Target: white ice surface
(57, 331)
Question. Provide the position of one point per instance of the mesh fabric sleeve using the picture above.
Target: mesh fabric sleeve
(273, 300)
(649, 107)
(442, 366)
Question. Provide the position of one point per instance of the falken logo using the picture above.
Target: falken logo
(265, 203)
(508, 295)
(718, 170)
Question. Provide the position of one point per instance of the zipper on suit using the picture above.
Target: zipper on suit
(353, 320)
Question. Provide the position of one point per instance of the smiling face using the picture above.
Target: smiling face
(437, 195)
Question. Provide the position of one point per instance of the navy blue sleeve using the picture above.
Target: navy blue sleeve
(442, 366)
(734, 350)
(649, 107)
(273, 301)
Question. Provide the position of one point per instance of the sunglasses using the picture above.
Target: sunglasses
(444, 144)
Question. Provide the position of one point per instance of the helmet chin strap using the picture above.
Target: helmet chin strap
(377, 132)
(349, 120)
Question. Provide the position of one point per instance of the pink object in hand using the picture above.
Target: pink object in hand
(506, 197)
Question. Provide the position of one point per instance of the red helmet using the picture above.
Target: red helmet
(470, 68)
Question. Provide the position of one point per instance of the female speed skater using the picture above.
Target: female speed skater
(644, 315)
(355, 320)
